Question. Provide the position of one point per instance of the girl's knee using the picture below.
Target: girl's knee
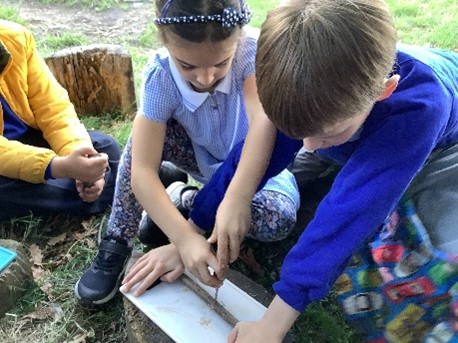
(273, 220)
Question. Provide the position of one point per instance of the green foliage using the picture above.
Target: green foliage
(427, 22)
(11, 14)
(114, 124)
(51, 43)
(259, 8)
(322, 323)
(148, 37)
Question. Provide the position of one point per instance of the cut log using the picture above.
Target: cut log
(99, 78)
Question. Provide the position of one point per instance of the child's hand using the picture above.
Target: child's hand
(162, 263)
(271, 328)
(232, 222)
(197, 256)
(79, 166)
(252, 332)
(90, 192)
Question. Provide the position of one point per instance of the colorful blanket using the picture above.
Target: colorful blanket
(399, 288)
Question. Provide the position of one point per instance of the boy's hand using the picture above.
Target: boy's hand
(79, 166)
(252, 332)
(272, 328)
(232, 222)
(162, 263)
(90, 192)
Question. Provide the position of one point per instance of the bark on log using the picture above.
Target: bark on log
(99, 78)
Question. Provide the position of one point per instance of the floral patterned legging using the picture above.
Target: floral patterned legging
(273, 214)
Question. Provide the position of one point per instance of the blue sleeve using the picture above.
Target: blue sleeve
(210, 196)
(48, 171)
(402, 131)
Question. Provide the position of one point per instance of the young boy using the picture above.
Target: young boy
(388, 114)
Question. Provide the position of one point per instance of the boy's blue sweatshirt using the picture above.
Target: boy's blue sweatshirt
(395, 141)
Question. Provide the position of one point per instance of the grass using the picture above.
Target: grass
(66, 40)
(49, 311)
(427, 23)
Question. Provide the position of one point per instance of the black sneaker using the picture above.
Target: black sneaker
(148, 232)
(169, 173)
(100, 281)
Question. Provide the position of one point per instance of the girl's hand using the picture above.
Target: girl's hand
(162, 263)
(197, 256)
(90, 192)
(232, 222)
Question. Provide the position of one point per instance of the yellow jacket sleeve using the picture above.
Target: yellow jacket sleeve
(36, 97)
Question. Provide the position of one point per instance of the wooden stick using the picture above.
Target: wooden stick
(212, 302)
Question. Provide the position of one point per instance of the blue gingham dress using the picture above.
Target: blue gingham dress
(214, 122)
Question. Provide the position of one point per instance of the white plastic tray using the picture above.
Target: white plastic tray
(186, 318)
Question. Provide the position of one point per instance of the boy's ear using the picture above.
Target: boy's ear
(389, 87)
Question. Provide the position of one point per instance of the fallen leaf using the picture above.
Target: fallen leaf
(58, 239)
(40, 313)
(37, 272)
(36, 255)
(88, 226)
(46, 287)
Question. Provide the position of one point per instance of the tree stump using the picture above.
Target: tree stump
(16, 278)
(99, 78)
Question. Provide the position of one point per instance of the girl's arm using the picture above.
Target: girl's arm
(233, 217)
(147, 145)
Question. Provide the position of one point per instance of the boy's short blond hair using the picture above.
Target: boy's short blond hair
(323, 61)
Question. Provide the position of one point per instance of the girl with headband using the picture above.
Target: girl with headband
(199, 110)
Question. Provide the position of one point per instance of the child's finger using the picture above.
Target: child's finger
(134, 270)
(148, 281)
(172, 275)
(143, 275)
(234, 249)
(233, 335)
(209, 278)
(213, 238)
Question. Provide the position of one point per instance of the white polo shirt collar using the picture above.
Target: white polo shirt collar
(192, 99)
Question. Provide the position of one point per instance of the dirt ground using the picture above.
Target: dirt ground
(126, 21)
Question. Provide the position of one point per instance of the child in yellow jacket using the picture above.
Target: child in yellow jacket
(49, 162)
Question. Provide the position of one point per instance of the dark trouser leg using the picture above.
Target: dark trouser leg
(19, 198)
(314, 175)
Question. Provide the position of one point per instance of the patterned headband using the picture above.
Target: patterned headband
(229, 18)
